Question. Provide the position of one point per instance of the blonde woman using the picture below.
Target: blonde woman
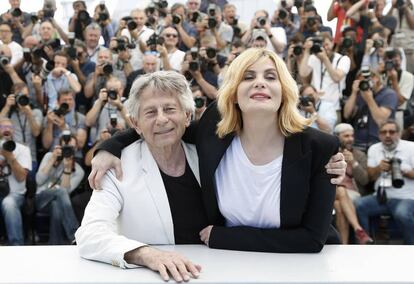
(262, 169)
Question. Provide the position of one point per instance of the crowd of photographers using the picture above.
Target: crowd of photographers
(62, 90)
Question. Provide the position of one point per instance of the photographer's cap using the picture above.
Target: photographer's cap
(259, 34)
(341, 127)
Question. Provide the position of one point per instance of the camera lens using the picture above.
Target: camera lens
(22, 100)
(112, 94)
(297, 50)
(364, 85)
(199, 102)
(211, 52)
(176, 19)
(107, 69)
(193, 66)
(9, 146)
(131, 25)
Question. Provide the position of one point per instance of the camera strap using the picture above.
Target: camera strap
(22, 125)
(57, 180)
(323, 72)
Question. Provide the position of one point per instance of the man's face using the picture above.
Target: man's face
(171, 36)
(5, 34)
(67, 98)
(6, 130)
(92, 38)
(397, 61)
(61, 61)
(150, 64)
(328, 45)
(14, 4)
(346, 138)
(104, 56)
(389, 135)
(139, 17)
(259, 43)
(46, 31)
(78, 6)
(229, 14)
(193, 5)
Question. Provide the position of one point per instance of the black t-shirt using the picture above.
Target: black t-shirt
(186, 204)
(5, 87)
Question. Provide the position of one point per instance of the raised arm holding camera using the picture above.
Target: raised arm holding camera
(59, 174)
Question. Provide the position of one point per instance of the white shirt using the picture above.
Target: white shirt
(176, 59)
(406, 85)
(23, 157)
(404, 151)
(248, 195)
(279, 34)
(323, 82)
(16, 51)
(325, 110)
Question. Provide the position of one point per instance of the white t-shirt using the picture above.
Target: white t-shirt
(176, 59)
(248, 195)
(23, 157)
(404, 151)
(280, 34)
(136, 60)
(323, 82)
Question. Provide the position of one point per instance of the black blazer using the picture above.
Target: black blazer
(306, 199)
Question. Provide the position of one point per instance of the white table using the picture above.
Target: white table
(335, 264)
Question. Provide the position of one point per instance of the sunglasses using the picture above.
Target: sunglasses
(171, 35)
(391, 132)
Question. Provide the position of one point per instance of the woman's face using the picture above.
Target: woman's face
(260, 89)
(161, 120)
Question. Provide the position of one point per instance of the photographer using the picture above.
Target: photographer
(200, 101)
(27, 120)
(174, 56)
(370, 105)
(15, 163)
(108, 110)
(338, 10)
(276, 36)
(60, 78)
(8, 75)
(104, 70)
(351, 187)
(80, 19)
(230, 18)
(327, 68)
(295, 56)
(200, 72)
(284, 18)
(93, 33)
(64, 117)
(59, 175)
(401, 81)
(391, 166)
(6, 38)
(121, 54)
(311, 23)
(403, 36)
(102, 17)
(374, 54)
(150, 62)
(321, 112)
(17, 19)
(187, 32)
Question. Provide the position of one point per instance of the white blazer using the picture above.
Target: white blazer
(131, 213)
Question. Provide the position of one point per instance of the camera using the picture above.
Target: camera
(211, 10)
(390, 53)
(161, 4)
(71, 50)
(154, 40)
(34, 18)
(16, 12)
(9, 146)
(366, 83)
(27, 55)
(4, 60)
(316, 45)
(298, 3)
(22, 100)
(176, 19)
(400, 3)
(195, 16)
(200, 101)
(107, 69)
(103, 16)
(131, 24)
(261, 21)
(347, 42)
(212, 22)
(83, 17)
(306, 101)
(194, 64)
(113, 120)
(282, 14)
(62, 110)
(66, 136)
(371, 4)
(378, 43)
(211, 52)
(297, 50)
(150, 21)
(389, 65)
(48, 12)
(123, 45)
(396, 174)
(68, 151)
(44, 69)
(112, 94)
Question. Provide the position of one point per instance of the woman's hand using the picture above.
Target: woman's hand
(205, 234)
(336, 166)
(165, 262)
(102, 162)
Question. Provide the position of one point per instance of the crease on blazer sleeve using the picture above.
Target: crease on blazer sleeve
(98, 238)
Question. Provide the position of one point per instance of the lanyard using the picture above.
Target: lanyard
(22, 125)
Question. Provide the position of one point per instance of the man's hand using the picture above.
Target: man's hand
(367, 95)
(349, 157)
(205, 234)
(337, 166)
(166, 262)
(101, 163)
(385, 166)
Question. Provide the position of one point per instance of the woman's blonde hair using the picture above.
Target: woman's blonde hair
(289, 119)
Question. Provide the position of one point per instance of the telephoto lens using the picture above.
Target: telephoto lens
(22, 99)
(112, 94)
(9, 146)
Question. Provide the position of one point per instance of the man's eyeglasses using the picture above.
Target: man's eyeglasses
(391, 132)
(171, 35)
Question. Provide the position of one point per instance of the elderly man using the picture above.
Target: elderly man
(149, 66)
(391, 166)
(92, 36)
